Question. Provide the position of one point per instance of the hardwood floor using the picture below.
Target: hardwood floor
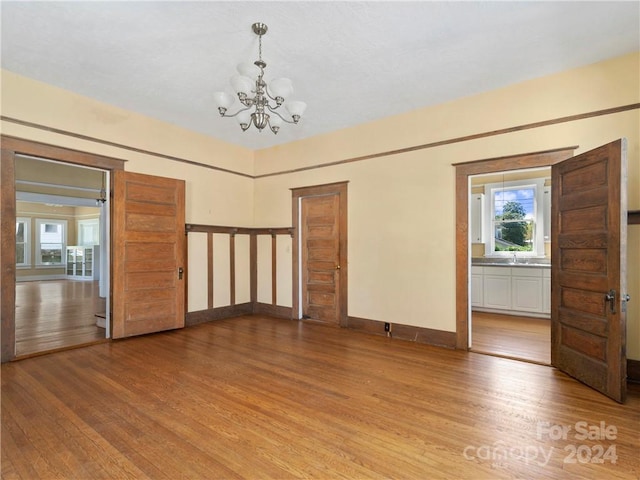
(256, 397)
(522, 338)
(55, 314)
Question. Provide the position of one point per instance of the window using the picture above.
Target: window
(513, 219)
(516, 218)
(89, 232)
(50, 242)
(23, 242)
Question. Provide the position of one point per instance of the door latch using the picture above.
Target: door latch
(624, 300)
(180, 272)
(611, 298)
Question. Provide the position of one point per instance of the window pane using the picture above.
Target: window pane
(19, 232)
(50, 233)
(20, 253)
(51, 253)
(514, 224)
(514, 236)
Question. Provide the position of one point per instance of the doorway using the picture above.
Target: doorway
(11, 149)
(62, 255)
(588, 229)
(510, 251)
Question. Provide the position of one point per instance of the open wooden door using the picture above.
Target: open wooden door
(148, 254)
(588, 273)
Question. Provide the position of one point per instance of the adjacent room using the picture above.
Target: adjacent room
(320, 239)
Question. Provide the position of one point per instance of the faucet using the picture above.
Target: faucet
(515, 258)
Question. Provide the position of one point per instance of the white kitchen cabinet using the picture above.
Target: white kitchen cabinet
(477, 280)
(526, 289)
(546, 291)
(497, 288)
(477, 217)
(83, 262)
(512, 290)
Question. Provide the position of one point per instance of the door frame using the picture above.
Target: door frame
(464, 170)
(11, 146)
(340, 189)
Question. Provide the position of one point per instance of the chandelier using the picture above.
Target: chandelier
(261, 103)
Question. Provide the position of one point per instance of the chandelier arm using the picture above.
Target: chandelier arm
(236, 114)
(273, 110)
(278, 100)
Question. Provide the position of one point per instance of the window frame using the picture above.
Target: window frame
(63, 255)
(538, 217)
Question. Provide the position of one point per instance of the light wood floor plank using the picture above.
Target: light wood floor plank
(257, 397)
(57, 314)
(511, 336)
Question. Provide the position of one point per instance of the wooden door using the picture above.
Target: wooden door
(148, 254)
(588, 268)
(320, 258)
(320, 253)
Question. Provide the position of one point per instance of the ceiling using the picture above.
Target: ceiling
(351, 62)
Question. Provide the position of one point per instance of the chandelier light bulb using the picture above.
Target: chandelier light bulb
(223, 100)
(296, 109)
(281, 88)
(242, 85)
(250, 70)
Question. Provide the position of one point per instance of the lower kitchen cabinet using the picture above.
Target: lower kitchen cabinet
(514, 290)
(497, 288)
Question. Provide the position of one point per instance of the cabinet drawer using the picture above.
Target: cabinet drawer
(497, 271)
(526, 272)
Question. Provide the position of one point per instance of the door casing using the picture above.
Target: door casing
(10, 147)
(463, 172)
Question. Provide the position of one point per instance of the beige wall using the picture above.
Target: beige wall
(212, 196)
(401, 207)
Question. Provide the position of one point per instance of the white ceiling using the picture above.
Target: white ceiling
(351, 62)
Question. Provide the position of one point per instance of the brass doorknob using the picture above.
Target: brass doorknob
(337, 267)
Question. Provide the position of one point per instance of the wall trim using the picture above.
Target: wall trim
(277, 311)
(230, 311)
(118, 145)
(633, 371)
(427, 336)
(466, 138)
(57, 276)
(218, 313)
(439, 143)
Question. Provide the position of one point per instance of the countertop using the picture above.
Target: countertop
(508, 262)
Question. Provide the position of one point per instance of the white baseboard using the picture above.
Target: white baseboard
(34, 278)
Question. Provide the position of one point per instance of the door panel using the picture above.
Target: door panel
(320, 257)
(588, 261)
(149, 251)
